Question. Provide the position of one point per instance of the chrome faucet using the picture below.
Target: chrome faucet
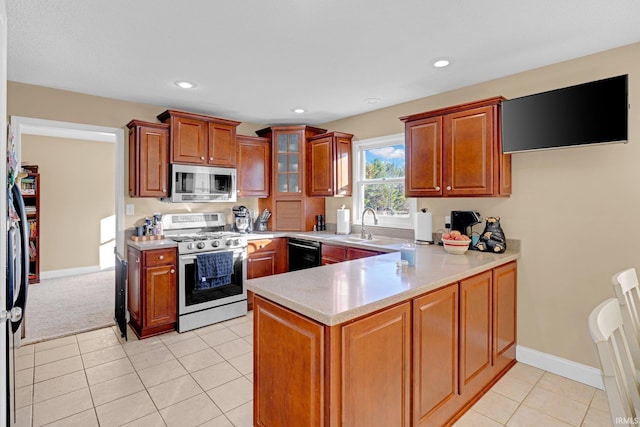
(363, 232)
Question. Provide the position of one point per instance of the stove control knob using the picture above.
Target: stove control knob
(200, 245)
(236, 242)
(215, 243)
(189, 245)
(228, 242)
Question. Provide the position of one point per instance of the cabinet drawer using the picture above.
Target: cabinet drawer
(258, 245)
(335, 252)
(159, 257)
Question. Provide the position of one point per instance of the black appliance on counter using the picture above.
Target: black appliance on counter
(303, 254)
(463, 221)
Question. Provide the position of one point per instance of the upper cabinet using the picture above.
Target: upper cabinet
(254, 166)
(201, 140)
(329, 164)
(457, 152)
(148, 159)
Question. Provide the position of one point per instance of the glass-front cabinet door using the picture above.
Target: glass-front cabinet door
(289, 178)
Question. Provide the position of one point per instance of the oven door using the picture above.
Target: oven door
(191, 300)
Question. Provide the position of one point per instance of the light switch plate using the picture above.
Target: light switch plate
(129, 210)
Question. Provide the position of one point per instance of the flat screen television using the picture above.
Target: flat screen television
(589, 113)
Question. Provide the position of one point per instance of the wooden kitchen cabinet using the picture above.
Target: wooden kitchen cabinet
(332, 254)
(329, 165)
(457, 152)
(475, 334)
(504, 316)
(148, 159)
(254, 166)
(151, 287)
(435, 357)
(265, 258)
(286, 343)
(376, 369)
(422, 362)
(201, 140)
(291, 209)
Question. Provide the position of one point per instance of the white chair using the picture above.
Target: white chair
(627, 289)
(618, 370)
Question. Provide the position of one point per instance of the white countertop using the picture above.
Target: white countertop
(145, 245)
(335, 293)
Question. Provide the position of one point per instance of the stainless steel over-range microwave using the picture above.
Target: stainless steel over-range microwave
(190, 183)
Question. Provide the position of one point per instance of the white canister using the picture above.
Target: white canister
(342, 221)
(423, 227)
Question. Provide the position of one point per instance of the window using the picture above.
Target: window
(379, 181)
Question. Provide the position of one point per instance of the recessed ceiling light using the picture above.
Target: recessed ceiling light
(298, 110)
(442, 62)
(184, 84)
(372, 100)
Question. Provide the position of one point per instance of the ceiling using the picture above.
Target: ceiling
(257, 60)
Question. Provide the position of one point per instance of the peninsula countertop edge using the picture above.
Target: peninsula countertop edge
(337, 293)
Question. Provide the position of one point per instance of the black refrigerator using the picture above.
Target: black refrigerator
(17, 275)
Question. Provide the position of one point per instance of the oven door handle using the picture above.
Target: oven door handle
(298, 245)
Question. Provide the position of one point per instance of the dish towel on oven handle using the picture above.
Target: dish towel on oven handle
(213, 270)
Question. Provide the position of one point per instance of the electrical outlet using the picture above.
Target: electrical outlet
(129, 210)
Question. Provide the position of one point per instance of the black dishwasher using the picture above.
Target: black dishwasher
(303, 254)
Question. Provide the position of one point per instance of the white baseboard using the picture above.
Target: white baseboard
(575, 371)
(55, 274)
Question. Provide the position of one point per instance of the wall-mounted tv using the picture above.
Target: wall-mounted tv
(589, 113)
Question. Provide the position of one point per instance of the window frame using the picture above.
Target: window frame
(359, 147)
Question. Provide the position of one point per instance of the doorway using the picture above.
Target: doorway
(26, 131)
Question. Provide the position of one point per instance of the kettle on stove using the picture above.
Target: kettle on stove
(242, 222)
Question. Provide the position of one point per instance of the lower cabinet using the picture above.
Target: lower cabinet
(265, 258)
(151, 290)
(332, 254)
(422, 362)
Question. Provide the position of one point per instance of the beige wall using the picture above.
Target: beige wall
(53, 104)
(77, 193)
(575, 209)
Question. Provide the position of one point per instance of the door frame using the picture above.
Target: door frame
(41, 127)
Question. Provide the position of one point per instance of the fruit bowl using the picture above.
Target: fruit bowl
(456, 247)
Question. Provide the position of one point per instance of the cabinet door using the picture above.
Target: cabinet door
(189, 140)
(475, 334)
(289, 162)
(134, 277)
(254, 157)
(153, 162)
(355, 253)
(435, 357)
(261, 264)
(222, 145)
(320, 167)
(376, 369)
(423, 155)
(332, 254)
(343, 164)
(504, 316)
(160, 295)
(287, 342)
(289, 215)
(469, 158)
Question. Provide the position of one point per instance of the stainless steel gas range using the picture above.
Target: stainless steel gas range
(211, 269)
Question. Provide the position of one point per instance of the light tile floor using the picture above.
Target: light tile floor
(204, 378)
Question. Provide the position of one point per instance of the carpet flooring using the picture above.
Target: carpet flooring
(69, 305)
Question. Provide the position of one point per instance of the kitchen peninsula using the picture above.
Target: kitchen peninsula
(363, 343)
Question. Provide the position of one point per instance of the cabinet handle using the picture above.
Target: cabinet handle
(211, 159)
(172, 271)
(448, 188)
(437, 188)
(202, 158)
(164, 190)
(161, 257)
(137, 260)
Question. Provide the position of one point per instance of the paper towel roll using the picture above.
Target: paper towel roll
(342, 222)
(423, 227)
